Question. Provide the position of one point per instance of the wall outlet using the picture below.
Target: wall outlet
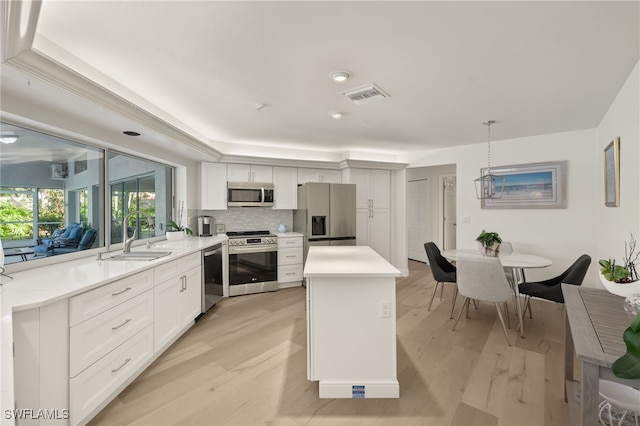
(466, 219)
(385, 309)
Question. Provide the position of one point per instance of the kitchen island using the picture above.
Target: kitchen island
(351, 322)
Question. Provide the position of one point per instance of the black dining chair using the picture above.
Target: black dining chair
(551, 289)
(443, 272)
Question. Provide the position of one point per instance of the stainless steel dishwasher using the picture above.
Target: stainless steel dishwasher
(214, 274)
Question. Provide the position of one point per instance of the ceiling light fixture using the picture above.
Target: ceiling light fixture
(339, 76)
(335, 115)
(131, 133)
(8, 138)
(489, 186)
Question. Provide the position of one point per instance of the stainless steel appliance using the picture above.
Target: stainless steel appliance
(253, 262)
(214, 272)
(205, 226)
(249, 194)
(326, 214)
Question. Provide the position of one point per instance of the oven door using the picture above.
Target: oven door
(252, 265)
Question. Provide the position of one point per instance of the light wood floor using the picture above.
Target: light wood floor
(244, 363)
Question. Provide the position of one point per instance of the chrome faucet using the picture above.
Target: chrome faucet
(129, 241)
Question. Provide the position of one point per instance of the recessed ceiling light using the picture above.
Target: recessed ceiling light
(131, 133)
(335, 115)
(339, 76)
(8, 138)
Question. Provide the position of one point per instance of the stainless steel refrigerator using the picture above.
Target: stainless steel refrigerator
(326, 214)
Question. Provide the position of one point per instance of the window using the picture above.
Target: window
(48, 182)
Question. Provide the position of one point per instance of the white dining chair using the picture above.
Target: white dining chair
(619, 395)
(483, 279)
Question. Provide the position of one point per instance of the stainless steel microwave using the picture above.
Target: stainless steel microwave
(249, 194)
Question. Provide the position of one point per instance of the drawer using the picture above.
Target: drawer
(99, 382)
(289, 256)
(96, 337)
(89, 304)
(289, 273)
(177, 267)
(289, 242)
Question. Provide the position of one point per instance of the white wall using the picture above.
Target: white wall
(586, 225)
(622, 120)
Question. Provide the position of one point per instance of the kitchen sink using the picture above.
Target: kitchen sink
(140, 255)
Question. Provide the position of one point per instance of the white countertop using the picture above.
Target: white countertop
(340, 261)
(47, 284)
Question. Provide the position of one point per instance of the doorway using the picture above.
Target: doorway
(418, 218)
(449, 221)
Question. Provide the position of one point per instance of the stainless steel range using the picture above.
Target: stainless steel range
(253, 262)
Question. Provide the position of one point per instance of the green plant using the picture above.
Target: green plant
(613, 272)
(627, 272)
(172, 226)
(628, 366)
(488, 239)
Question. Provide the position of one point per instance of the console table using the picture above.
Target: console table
(594, 322)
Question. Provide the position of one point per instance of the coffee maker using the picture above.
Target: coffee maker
(205, 226)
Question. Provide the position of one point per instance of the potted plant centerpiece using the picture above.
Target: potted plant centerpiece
(623, 279)
(489, 243)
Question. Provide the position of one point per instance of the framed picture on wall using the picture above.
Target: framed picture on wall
(530, 186)
(612, 174)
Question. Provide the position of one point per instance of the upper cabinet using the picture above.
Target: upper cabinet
(373, 187)
(319, 175)
(213, 186)
(285, 185)
(249, 173)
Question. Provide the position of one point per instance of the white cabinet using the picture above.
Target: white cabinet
(213, 186)
(373, 188)
(373, 212)
(89, 390)
(290, 260)
(285, 183)
(110, 338)
(177, 297)
(249, 173)
(319, 175)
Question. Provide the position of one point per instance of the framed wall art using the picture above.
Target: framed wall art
(612, 174)
(530, 186)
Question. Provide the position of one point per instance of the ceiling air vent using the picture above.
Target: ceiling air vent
(365, 94)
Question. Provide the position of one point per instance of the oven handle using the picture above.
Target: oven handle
(262, 192)
(238, 250)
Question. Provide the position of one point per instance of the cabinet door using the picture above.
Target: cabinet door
(319, 175)
(238, 173)
(166, 312)
(380, 189)
(262, 174)
(362, 179)
(249, 173)
(379, 234)
(214, 186)
(190, 296)
(285, 183)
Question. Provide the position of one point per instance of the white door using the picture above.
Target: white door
(449, 216)
(418, 218)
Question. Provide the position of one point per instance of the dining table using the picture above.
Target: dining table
(516, 262)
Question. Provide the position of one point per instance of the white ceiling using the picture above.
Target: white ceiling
(535, 67)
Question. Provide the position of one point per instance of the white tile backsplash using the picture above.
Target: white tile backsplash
(245, 218)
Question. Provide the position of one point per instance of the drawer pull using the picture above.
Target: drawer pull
(290, 273)
(120, 292)
(117, 327)
(290, 256)
(123, 364)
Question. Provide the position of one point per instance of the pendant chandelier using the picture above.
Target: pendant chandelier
(489, 186)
